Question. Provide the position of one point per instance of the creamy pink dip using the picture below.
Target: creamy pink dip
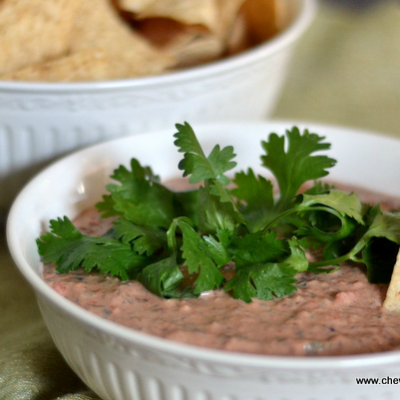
(330, 314)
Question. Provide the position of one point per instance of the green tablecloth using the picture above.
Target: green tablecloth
(346, 71)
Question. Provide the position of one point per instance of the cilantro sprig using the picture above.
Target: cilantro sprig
(177, 243)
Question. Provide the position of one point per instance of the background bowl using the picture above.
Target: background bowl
(120, 363)
(40, 121)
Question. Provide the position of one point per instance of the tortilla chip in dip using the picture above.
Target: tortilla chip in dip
(33, 31)
(392, 300)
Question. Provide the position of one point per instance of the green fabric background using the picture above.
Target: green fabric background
(346, 71)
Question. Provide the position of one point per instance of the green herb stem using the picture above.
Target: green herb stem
(297, 209)
(335, 261)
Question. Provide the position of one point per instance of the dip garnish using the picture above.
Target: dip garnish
(159, 234)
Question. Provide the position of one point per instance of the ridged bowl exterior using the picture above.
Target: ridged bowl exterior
(40, 122)
(118, 369)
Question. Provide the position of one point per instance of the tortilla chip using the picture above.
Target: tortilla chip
(227, 14)
(285, 14)
(192, 12)
(161, 32)
(54, 40)
(100, 27)
(188, 44)
(191, 49)
(198, 42)
(208, 46)
(392, 300)
(85, 65)
(34, 30)
(238, 39)
(261, 17)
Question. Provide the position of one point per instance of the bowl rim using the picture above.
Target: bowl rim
(131, 336)
(253, 55)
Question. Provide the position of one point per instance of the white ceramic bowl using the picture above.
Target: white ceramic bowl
(39, 121)
(120, 363)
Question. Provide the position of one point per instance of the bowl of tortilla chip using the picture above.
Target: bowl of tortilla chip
(89, 323)
(72, 74)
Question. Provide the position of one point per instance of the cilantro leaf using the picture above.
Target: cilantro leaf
(216, 250)
(162, 278)
(297, 260)
(140, 198)
(198, 257)
(326, 225)
(344, 203)
(262, 281)
(267, 280)
(216, 208)
(69, 249)
(297, 165)
(106, 207)
(257, 248)
(256, 200)
(187, 204)
(145, 240)
(386, 225)
(196, 164)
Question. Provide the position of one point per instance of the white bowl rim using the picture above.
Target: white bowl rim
(270, 47)
(186, 350)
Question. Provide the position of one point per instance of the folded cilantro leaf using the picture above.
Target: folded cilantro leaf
(139, 197)
(186, 204)
(145, 240)
(369, 244)
(198, 257)
(256, 200)
(258, 248)
(297, 260)
(386, 225)
(217, 250)
(348, 204)
(331, 216)
(213, 215)
(66, 247)
(162, 278)
(297, 165)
